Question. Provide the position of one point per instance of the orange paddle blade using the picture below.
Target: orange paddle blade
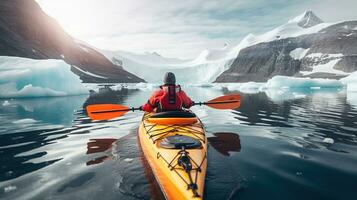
(106, 111)
(230, 101)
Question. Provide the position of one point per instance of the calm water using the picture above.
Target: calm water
(273, 147)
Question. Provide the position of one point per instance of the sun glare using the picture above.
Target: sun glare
(77, 17)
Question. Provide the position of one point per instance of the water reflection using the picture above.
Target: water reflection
(98, 146)
(39, 112)
(327, 113)
(288, 141)
(107, 95)
(225, 143)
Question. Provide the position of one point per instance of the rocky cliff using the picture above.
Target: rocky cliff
(26, 31)
(328, 53)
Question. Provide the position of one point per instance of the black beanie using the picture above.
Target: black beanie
(169, 78)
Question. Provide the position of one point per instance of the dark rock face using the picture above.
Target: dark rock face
(262, 61)
(26, 31)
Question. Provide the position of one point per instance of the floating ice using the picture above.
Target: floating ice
(25, 121)
(294, 82)
(6, 103)
(350, 82)
(22, 77)
(128, 159)
(9, 188)
(328, 140)
(250, 87)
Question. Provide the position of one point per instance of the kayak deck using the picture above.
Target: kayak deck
(180, 172)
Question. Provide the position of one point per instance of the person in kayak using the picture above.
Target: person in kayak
(169, 97)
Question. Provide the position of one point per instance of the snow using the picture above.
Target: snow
(325, 68)
(324, 56)
(298, 18)
(204, 69)
(210, 63)
(89, 73)
(298, 53)
(290, 29)
(22, 77)
(150, 59)
(348, 35)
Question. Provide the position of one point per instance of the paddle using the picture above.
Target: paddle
(229, 101)
(109, 111)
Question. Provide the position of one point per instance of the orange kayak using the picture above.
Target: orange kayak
(175, 146)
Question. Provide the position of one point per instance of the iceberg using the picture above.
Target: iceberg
(350, 82)
(22, 77)
(281, 88)
(284, 83)
(294, 82)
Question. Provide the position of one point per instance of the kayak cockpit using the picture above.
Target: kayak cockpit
(173, 117)
(179, 142)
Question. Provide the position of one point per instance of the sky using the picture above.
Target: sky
(182, 29)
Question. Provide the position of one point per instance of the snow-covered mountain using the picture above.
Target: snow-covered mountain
(151, 66)
(306, 19)
(304, 46)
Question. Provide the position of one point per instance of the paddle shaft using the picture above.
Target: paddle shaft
(134, 109)
(110, 111)
(218, 102)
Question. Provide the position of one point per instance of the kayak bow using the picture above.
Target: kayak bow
(175, 146)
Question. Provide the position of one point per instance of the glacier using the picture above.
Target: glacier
(204, 69)
(23, 77)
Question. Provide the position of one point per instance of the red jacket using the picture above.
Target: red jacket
(168, 98)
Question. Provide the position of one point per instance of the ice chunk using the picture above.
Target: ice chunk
(328, 140)
(294, 82)
(25, 121)
(22, 77)
(352, 98)
(250, 87)
(281, 95)
(6, 103)
(350, 82)
(9, 188)
(128, 159)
